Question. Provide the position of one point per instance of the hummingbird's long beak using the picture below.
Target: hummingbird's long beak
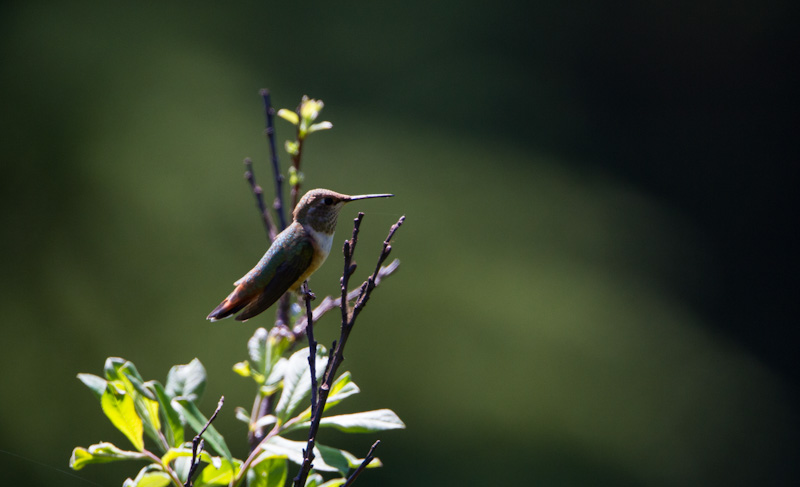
(365, 196)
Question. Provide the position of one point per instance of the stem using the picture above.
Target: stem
(337, 356)
(269, 112)
(197, 445)
(367, 459)
(329, 303)
(172, 475)
(269, 226)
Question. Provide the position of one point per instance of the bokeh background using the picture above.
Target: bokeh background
(597, 283)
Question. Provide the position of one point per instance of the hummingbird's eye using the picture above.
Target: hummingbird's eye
(328, 201)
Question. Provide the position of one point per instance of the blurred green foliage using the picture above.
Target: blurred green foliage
(585, 297)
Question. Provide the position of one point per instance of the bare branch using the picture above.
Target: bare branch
(367, 459)
(269, 112)
(269, 226)
(198, 443)
(336, 357)
(329, 303)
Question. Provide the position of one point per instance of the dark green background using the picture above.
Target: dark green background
(597, 284)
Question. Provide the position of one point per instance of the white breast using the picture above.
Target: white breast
(323, 240)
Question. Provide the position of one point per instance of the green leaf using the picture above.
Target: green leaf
(364, 422)
(123, 374)
(270, 471)
(295, 177)
(242, 415)
(293, 450)
(264, 421)
(121, 411)
(296, 381)
(275, 378)
(149, 476)
(341, 460)
(186, 451)
(289, 116)
(292, 147)
(222, 475)
(112, 366)
(314, 480)
(257, 350)
(174, 430)
(101, 453)
(242, 368)
(320, 126)
(342, 388)
(187, 381)
(334, 482)
(96, 384)
(340, 457)
(333, 457)
(197, 421)
(310, 108)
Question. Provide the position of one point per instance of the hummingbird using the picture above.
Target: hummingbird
(294, 255)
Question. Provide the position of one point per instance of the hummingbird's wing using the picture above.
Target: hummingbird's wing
(292, 262)
(287, 259)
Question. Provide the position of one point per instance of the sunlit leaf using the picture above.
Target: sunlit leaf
(342, 388)
(187, 381)
(270, 471)
(174, 430)
(257, 349)
(242, 368)
(96, 384)
(266, 420)
(121, 411)
(276, 375)
(364, 422)
(289, 116)
(334, 482)
(221, 475)
(242, 415)
(293, 450)
(184, 451)
(310, 108)
(149, 476)
(292, 148)
(314, 480)
(124, 376)
(112, 366)
(320, 126)
(101, 453)
(296, 381)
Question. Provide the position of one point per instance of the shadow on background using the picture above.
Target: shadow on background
(597, 284)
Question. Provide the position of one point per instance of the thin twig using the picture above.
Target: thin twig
(296, 158)
(308, 296)
(370, 284)
(276, 171)
(336, 357)
(348, 250)
(282, 312)
(312, 361)
(269, 226)
(198, 443)
(367, 459)
(328, 303)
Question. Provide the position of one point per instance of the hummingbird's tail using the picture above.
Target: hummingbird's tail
(229, 306)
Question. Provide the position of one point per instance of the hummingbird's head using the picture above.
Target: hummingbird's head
(319, 208)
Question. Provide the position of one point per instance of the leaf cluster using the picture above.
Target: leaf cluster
(154, 419)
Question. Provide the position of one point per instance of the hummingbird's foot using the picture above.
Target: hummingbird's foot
(305, 293)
